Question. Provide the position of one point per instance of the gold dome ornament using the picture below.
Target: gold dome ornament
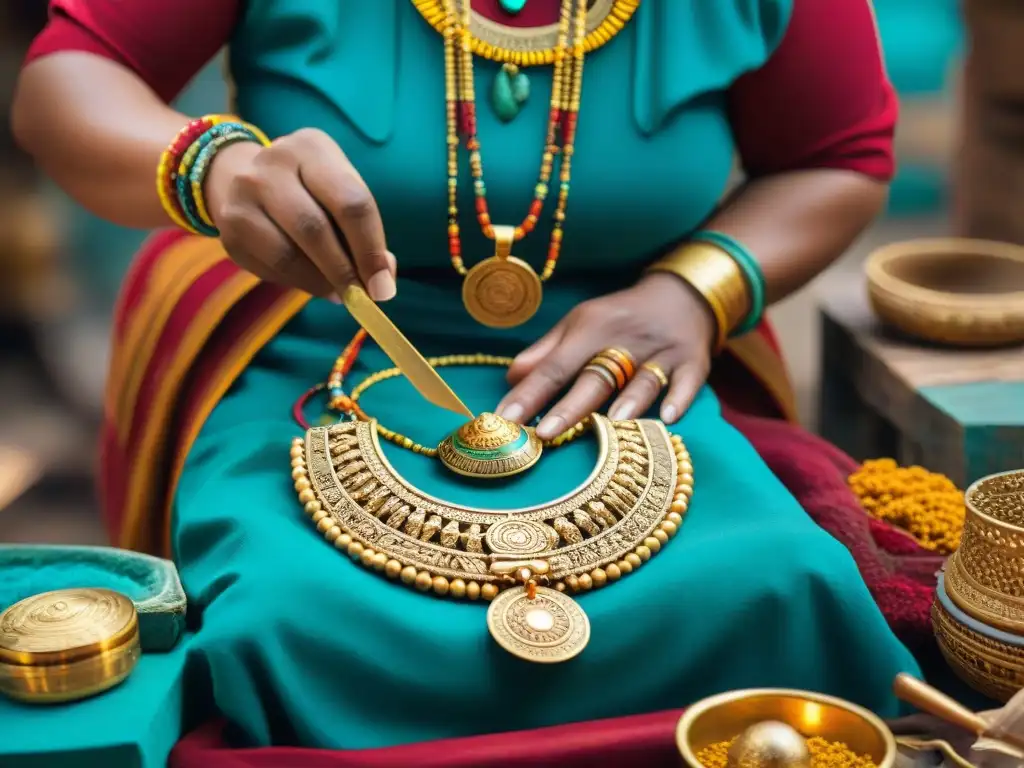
(490, 446)
(67, 645)
(770, 744)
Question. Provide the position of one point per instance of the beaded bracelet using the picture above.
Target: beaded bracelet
(197, 173)
(184, 189)
(166, 170)
(752, 274)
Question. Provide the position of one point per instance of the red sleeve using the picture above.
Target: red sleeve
(823, 100)
(166, 42)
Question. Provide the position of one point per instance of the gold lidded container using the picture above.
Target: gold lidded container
(67, 645)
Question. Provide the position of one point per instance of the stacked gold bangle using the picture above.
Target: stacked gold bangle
(719, 280)
(615, 366)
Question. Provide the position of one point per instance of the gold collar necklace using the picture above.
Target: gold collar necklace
(526, 562)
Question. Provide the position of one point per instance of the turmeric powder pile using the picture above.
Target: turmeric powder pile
(926, 505)
(824, 754)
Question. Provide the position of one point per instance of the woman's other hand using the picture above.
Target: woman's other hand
(297, 213)
(660, 320)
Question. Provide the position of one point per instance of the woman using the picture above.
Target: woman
(302, 646)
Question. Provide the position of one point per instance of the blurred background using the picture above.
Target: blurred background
(60, 268)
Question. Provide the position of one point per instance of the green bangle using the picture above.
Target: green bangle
(751, 272)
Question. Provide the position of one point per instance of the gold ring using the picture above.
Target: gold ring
(623, 358)
(605, 375)
(657, 372)
(609, 365)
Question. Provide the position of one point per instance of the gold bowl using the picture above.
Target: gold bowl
(989, 660)
(950, 290)
(985, 576)
(726, 716)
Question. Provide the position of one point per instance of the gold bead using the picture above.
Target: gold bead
(423, 581)
(319, 516)
(599, 576)
(585, 582)
(473, 590)
(312, 508)
(306, 496)
(343, 541)
(355, 549)
(660, 535)
(685, 477)
(441, 585)
(457, 589)
(686, 467)
(613, 571)
(297, 451)
(408, 574)
(680, 507)
(302, 484)
(626, 565)
(380, 561)
(332, 534)
(366, 556)
(652, 544)
(643, 552)
(668, 527)
(489, 591)
(392, 569)
(324, 524)
(634, 558)
(298, 472)
(675, 518)
(573, 583)
(560, 586)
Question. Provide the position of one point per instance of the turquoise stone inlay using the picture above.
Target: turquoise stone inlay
(512, 6)
(509, 92)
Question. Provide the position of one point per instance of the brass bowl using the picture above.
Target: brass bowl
(985, 576)
(726, 716)
(989, 660)
(950, 290)
(67, 645)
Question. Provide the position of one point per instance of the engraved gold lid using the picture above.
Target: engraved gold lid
(67, 644)
(490, 446)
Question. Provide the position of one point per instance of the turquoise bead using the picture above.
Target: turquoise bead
(509, 91)
(512, 6)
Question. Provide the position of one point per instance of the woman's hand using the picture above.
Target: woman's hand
(297, 213)
(660, 320)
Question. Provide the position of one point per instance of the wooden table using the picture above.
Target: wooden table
(955, 411)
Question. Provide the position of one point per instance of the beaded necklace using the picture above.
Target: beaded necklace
(503, 291)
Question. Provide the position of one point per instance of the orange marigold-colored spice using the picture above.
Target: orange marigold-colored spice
(925, 504)
(824, 754)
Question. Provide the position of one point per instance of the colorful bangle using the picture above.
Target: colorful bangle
(197, 174)
(752, 274)
(715, 276)
(167, 167)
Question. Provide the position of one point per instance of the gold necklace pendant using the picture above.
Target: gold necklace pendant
(502, 291)
(541, 625)
(490, 447)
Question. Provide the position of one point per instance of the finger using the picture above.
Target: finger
(687, 380)
(259, 246)
(548, 377)
(338, 187)
(587, 395)
(641, 393)
(527, 360)
(307, 225)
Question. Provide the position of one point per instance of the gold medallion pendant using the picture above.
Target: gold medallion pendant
(531, 562)
(502, 291)
(67, 645)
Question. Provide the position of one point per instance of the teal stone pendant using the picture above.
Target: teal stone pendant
(512, 7)
(510, 90)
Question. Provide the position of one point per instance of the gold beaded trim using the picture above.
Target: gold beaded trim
(318, 466)
(618, 15)
(445, 361)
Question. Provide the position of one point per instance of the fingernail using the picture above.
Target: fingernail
(550, 426)
(621, 410)
(381, 286)
(669, 413)
(513, 412)
(334, 298)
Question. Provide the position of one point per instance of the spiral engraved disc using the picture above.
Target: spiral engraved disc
(65, 625)
(502, 292)
(517, 537)
(549, 629)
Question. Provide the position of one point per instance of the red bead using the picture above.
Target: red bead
(481, 204)
(536, 207)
